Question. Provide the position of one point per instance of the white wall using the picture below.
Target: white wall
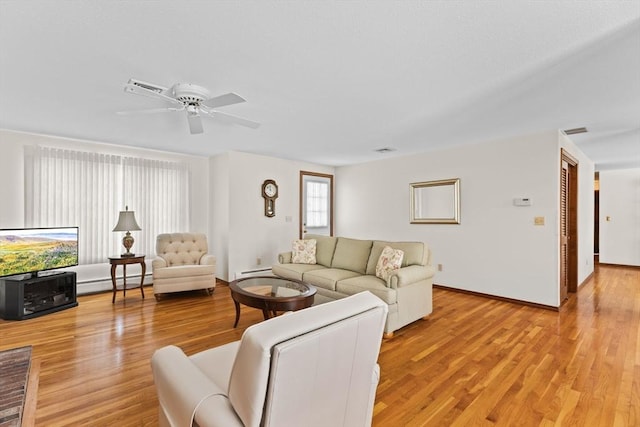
(219, 212)
(496, 249)
(620, 200)
(246, 232)
(96, 277)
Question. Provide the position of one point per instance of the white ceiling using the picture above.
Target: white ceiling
(330, 81)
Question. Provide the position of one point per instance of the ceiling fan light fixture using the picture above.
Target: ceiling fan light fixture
(192, 110)
(190, 93)
(195, 100)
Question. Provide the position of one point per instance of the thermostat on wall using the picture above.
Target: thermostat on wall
(522, 201)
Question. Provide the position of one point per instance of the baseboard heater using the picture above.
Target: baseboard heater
(252, 273)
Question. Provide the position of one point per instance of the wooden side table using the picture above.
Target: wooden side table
(123, 261)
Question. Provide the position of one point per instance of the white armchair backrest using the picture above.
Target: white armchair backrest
(317, 365)
(181, 248)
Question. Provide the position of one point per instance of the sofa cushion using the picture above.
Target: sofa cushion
(327, 277)
(352, 254)
(183, 271)
(294, 271)
(325, 246)
(415, 253)
(376, 286)
(304, 251)
(390, 260)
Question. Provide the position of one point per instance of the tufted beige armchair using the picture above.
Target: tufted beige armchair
(183, 264)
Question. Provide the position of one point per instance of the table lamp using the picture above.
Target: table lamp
(127, 222)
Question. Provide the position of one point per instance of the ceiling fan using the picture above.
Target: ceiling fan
(195, 100)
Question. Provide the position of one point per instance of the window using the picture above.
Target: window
(317, 204)
(69, 188)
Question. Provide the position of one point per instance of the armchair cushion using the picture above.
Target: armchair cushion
(183, 270)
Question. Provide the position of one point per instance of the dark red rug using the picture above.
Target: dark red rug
(14, 374)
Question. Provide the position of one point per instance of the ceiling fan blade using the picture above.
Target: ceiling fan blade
(222, 100)
(139, 88)
(195, 123)
(231, 118)
(149, 111)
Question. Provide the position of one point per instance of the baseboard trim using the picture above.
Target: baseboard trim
(495, 297)
(584, 282)
(634, 267)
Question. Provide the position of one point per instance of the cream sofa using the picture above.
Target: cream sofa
(183, 264)
(313, 367)
(348, 266)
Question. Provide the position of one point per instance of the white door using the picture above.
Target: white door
(316, 204)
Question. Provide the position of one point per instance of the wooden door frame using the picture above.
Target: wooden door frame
(572, 205)
(301, 193)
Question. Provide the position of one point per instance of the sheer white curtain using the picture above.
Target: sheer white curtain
(66, 188)
(158, 192)
(69, 188)
(317, 204)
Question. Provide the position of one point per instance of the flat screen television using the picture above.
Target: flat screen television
(31, 250)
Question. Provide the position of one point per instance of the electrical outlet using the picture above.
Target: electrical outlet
(538, 220)
(439, 267)
(258, 261)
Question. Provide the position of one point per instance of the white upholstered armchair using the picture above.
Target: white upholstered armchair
(313, 367)
(183, 264)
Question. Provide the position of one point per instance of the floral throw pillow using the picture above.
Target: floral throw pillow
(304, 251)
(390, 260)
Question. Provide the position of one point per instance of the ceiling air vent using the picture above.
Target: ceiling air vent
(575, 131)
(384, 150)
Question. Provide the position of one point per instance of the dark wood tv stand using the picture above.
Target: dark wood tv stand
(37, 296)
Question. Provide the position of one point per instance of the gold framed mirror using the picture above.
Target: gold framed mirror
(435, 202)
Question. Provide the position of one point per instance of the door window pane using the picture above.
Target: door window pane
(317, 204)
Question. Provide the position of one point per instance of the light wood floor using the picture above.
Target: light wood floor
(476, 361)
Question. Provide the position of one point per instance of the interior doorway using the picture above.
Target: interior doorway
(316, 203)
(568, 225)
(596, 219)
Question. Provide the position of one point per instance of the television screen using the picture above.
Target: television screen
(31, 250)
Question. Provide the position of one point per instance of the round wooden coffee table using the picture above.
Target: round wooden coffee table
(271, 294)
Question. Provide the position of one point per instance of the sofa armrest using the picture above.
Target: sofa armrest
(284, 258)
(208, 260)
(158, 263)
(410, 274)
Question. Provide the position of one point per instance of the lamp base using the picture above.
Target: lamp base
(127, 242)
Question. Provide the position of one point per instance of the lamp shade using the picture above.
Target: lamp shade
(127, 221)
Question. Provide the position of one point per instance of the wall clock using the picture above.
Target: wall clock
(270, 194)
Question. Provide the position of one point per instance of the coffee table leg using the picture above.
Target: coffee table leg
(237, 313)
(265, 313)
